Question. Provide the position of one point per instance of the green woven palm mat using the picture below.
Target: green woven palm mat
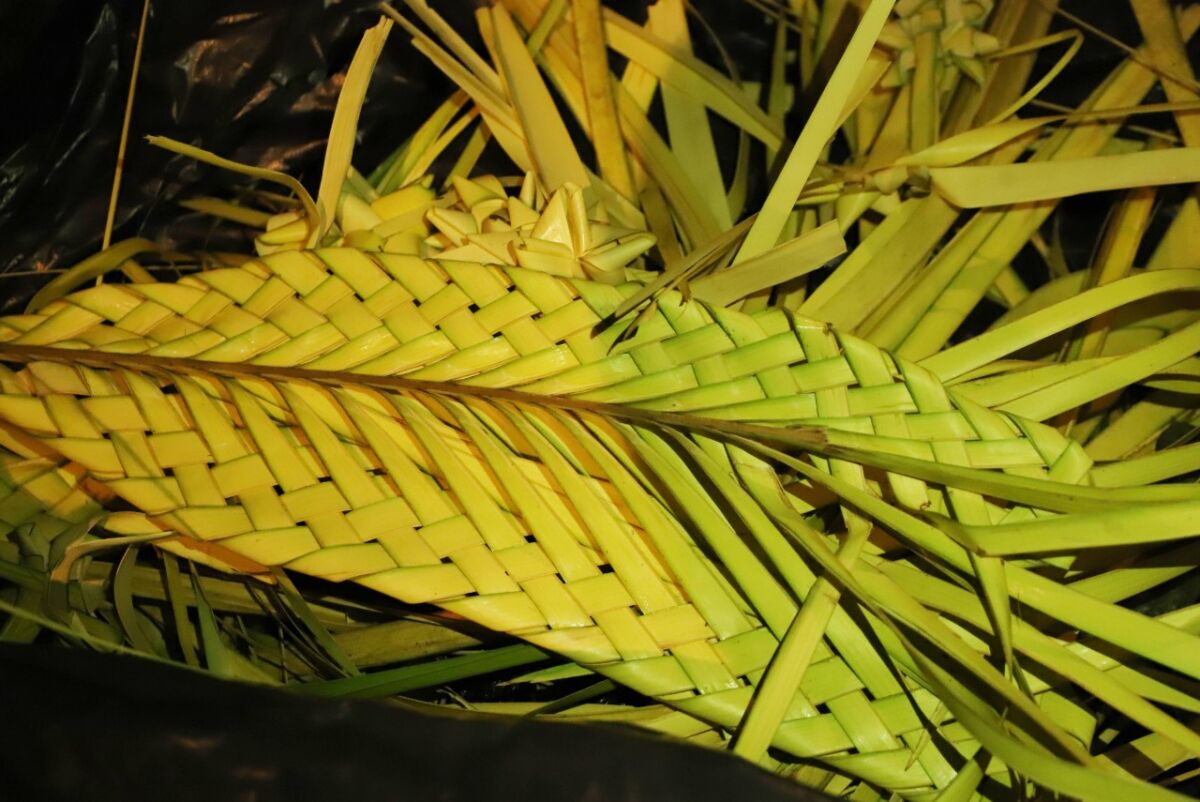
(655, 507)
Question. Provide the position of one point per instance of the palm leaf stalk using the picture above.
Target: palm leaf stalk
(794, 515)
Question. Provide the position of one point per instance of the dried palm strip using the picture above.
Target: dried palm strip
(221, 208)
(275, 346)
(1001, 185)
(314, 225)
(787, 261)
(683, 71)
(115, 256)
(519, 129)
(1036, 88)
(605, 127)
(404, 160)
(687, 120)
(1028, 329)
(889, 255)
(1178, 248)
(1011, 23)
(1115, 261)
(549, 143)
(453, 40)
(344, 127)
(701, 81)
(493, 106)
(426, 157)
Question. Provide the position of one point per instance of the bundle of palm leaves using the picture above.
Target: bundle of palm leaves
(747, 463)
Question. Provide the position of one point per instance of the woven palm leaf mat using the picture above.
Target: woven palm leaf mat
(534, 475)
(875, 562)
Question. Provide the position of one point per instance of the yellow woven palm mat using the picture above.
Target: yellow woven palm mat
(383, 314)
(632, 548)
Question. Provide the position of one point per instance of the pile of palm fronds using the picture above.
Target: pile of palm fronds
(750, 461)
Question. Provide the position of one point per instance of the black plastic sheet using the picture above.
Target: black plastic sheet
(253, 80)
(82, 725)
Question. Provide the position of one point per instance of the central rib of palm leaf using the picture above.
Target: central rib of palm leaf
(503, 326)
(615, 545)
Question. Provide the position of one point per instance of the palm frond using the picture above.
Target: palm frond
(789, 513)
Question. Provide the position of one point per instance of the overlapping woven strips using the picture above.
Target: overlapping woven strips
(385, 314)
(42, 496)
(629, 547)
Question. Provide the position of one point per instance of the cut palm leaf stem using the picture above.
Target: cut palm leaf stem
(1036, 492)
(794, 435)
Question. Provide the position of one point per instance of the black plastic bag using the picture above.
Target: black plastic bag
(253, 80)
(82, 725)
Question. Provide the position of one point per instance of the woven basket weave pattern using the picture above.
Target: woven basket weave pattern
(567, 541)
